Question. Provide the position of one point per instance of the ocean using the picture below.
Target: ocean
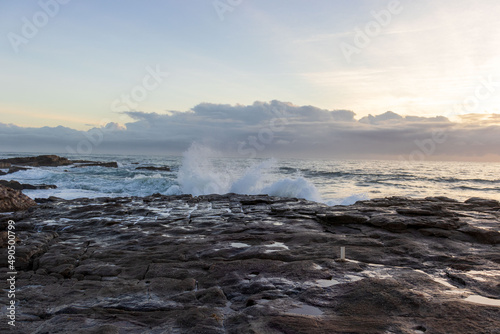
(202, 171)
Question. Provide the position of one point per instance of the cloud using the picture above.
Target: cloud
(385, 117)
(481, 119)
(272, 128)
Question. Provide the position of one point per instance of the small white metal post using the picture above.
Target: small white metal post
(342, 253)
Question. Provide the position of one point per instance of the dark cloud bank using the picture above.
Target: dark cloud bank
(273, 129)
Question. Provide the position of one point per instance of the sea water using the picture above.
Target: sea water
(203, 171)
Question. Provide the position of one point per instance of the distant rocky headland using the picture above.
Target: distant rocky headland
(252, 264)
(50, 161)
(20, 163)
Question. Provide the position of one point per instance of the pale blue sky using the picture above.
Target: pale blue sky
(427, 61)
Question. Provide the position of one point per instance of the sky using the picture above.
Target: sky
(323, 78)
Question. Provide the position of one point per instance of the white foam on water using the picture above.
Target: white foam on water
(202, 171)
(299, 188)
(253, 178)
(64, 193)
(30, 174)
(143, 176)
(200, 174)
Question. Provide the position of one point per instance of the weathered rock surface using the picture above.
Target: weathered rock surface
(155, 168)
(41, 160)
(13, 200)
(20, 186)
(14, 164)
(256, 264)
(15, 169)
(84, 163)
(4, 239)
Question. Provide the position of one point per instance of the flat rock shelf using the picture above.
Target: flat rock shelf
(255, 264)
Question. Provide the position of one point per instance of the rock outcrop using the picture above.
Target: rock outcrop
(38, 161)
(13, 200)
(15, 164)
(256, 264)
(154, 168)
(21, 186)
(15, 169)
(112, 164)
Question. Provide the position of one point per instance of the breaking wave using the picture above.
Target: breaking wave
(203, 172)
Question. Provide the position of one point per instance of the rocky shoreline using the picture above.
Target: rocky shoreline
(255, 264)
(24, 163)
(14, 165)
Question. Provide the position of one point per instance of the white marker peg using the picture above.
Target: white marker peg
(342, 253)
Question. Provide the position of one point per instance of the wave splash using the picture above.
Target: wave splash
(201, 173)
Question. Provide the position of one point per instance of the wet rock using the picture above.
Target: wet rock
(4, 239)
(255, 264)
(153, 168)
(391, 223)
(31, 248)
(20, 186)
(39, 186)
(483, 202)
(13, 200)
(340, 219)
(14, 164)
(49, 199)
(482, 235)
(41, 160)
(415, 212)
(441, 199)
(213, 295)
(112, 164)
(11, 184)
(15, 169)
